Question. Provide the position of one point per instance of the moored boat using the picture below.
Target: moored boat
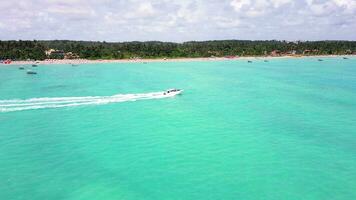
(31, 72)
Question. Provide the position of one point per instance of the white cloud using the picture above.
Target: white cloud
(348, 5)
(146, 8)
(177, 20)
(279, 3)
(227, 23)
(257, 8)
(238, 5)
(332, 7)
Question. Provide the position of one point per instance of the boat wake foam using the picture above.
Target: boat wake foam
(61, 102)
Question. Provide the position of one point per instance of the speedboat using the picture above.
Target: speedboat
(345, 58)
(249, 61)
(320, 60)
(21, 68)
(172, 92)
(34, 65)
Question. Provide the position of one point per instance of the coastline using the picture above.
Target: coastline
(86, 61)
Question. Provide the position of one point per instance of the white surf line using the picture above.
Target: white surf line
(60, 102)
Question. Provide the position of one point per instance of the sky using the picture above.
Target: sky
(177, 20)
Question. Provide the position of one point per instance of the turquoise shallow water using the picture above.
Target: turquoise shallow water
(284, 129)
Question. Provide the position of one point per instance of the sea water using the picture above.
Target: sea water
(283, 129)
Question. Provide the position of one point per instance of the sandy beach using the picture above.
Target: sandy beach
(86, 61)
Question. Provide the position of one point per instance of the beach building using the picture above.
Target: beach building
(49, 52)
(307, 51)
(58, 53)
(276, 53)
(70, 55)
(292, 52)
(53, 53)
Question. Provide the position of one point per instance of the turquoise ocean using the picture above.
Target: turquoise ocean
(283, 129)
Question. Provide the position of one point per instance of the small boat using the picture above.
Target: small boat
(74, 65)
(265, 60)
(34, 65)
(320, 60)
(31, 72)
(21, 68)
(172, 92)
(249, 61)
(345, 58)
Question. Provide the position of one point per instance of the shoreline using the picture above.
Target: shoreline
(86, 61)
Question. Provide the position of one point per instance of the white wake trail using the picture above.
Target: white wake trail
(61, 102)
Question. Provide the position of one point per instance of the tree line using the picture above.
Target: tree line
(22, 50)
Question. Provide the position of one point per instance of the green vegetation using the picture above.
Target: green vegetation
(22, 50)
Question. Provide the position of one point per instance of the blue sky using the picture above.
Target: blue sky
(178, 20)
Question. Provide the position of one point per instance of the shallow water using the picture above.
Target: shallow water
(284, 129)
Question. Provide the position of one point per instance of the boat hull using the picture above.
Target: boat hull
(172, 94)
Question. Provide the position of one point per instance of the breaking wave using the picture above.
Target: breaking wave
(61, 102)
